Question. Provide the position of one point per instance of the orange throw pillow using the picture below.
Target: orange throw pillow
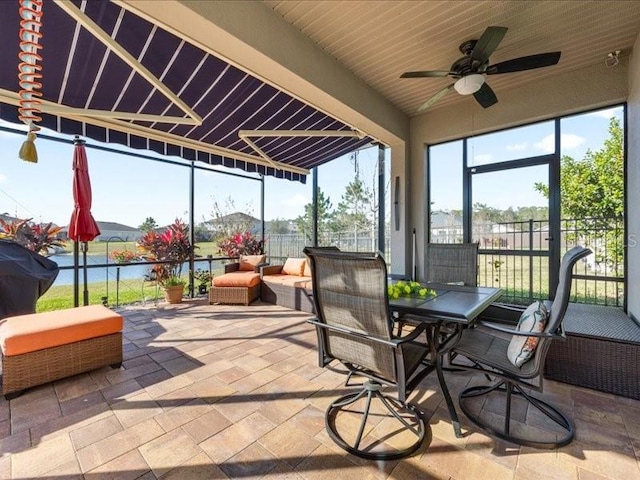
(248, 262)
(294, 266)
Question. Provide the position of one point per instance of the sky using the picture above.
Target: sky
(127, 190)
(514, 188)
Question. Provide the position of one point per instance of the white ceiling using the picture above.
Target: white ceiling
(379, 40)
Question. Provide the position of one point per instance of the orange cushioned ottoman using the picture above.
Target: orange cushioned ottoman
(239, 287)
(42, 347)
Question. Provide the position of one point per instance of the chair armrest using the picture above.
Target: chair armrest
(347, 331)
(418, 329)
(232, 267)
(258, 267)
(521, 333)
(270, 270)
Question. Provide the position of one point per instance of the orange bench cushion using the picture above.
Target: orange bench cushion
(37, 331)
(237, 279)
(288, 280)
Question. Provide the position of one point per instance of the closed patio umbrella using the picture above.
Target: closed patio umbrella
(82, 227)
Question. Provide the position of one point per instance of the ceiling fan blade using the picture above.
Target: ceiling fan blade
(525, 63)
(435, 98)
(427, 73)
(485, 96)
(487, 44)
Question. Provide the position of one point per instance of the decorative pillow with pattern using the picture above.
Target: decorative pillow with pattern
(533, 319)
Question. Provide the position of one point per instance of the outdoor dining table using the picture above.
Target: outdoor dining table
(457, 306)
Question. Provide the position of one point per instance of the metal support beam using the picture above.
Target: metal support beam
(554, 214)
(382, 225)
(262, 225)
(314, 237)
(467, 207)
(192, 226)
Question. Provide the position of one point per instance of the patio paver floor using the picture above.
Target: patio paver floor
(235, 392)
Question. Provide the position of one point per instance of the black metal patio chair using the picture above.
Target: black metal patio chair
(354, 327)
(486, 347)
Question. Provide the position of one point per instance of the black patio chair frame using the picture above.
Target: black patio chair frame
(353, 326)
(487, 351)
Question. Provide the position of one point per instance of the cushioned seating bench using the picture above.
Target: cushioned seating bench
(240, 283)
(288, 285)
(42, 347)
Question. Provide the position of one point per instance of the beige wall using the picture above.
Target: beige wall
(633, 183)
(573, 92)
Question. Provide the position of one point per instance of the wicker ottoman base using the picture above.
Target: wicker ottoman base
(602, 351)
(234, 295)
(43, 366)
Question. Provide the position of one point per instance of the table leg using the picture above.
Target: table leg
(437, 358)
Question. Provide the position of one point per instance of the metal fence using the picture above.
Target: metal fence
(514, 256)
(281, 246)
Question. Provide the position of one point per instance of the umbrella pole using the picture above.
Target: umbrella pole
(75, 274)
(85, 292)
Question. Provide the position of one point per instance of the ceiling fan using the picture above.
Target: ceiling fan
(470, 70)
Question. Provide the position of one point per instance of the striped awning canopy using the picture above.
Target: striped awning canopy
(112, 76)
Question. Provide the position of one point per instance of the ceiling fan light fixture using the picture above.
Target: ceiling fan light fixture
(469, 84)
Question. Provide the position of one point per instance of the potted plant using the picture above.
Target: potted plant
(204, 280)
(173, 289)
(173, 249)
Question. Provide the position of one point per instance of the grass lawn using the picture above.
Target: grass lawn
(100, 248)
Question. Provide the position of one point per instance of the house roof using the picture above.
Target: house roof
(233, 218)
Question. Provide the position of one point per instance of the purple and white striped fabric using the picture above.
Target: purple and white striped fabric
(79, 71)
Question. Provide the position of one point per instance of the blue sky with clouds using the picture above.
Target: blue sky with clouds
(127, 189)
(513, 188)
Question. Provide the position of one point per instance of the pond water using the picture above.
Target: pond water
(94, 275)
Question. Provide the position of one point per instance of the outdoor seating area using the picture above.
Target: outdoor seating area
(240, 283)
(288, 285)
(39, 348)
(410, 247)
(197, 399)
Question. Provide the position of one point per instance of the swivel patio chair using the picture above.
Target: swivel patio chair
(451, 263)
(353, 326)
(446, 263)
(487, 348)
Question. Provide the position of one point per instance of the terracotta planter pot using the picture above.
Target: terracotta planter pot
(174, 293)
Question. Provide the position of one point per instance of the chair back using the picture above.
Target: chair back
(563, 292)
(558, 307)
(451, 262)
(350, 293)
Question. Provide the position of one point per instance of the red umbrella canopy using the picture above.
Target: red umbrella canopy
(83, 227)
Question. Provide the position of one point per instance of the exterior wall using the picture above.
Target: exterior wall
(583, 89)
(633, 184)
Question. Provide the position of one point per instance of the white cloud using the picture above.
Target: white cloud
(608, 113)
(568, 141)
(3, 178)
(483, 158)
(517, 147)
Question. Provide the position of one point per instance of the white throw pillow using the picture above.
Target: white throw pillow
(533, 319)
